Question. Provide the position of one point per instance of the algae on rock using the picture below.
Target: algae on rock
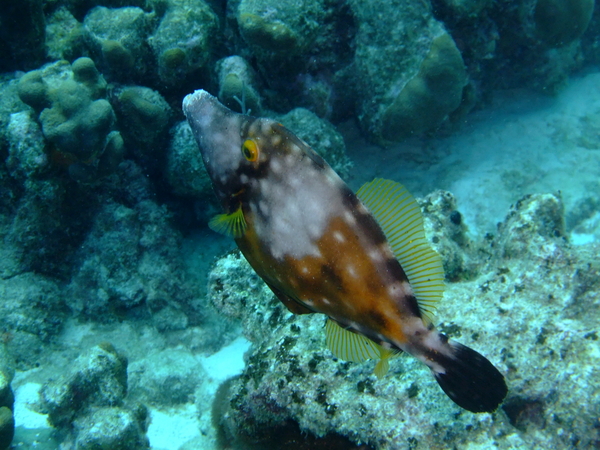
(410, 75)
(534, 315)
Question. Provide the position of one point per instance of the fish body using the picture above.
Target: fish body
(321, 249)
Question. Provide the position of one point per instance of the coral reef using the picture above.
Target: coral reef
(292, 376)
(7, 422)
(31, 314)
(104, 201)
(144, 117)
(75, 117)
(405, 89)
(112, 427)
(87, 403)
(119, 38)
(130, 266)
(166, 377)
(22, 31)
(392, 64)
(185, 171)
(237, 84)
(96, 378)
(183, 41)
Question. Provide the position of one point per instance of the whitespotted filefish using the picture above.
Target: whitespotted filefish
(361, 259)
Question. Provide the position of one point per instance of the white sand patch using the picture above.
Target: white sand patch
(227, 362)
(170, 429)
(26, 398)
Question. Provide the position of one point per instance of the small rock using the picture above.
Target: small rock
(97, 378)
(7, 427)
(111, 428)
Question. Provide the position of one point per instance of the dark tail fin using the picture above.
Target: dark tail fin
(470, 380)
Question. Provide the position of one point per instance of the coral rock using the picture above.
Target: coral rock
(97, 378)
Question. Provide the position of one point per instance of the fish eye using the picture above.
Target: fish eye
(250, 150)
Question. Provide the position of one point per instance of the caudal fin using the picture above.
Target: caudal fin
(470, 380)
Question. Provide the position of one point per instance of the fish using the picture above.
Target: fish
(362, 259)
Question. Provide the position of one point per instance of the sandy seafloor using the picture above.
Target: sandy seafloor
(522, 143)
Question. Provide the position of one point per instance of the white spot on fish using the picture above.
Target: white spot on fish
(289, 160)
(264, 208)
(265, 127)
(375, 255)
(265, 185)
(362, 209)
(349, 218)
(339, 237)
(333, 178)
(276, 166)
(396, 289)
(351, 270)
(386, 251)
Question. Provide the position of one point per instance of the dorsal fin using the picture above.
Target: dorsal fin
(400, 218)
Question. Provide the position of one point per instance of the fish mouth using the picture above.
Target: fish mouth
(203, 112)
(217, 132)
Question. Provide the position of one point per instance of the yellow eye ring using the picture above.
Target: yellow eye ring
(250, 150)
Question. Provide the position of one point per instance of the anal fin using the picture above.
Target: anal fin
(350, 346)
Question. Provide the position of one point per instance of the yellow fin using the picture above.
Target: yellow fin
(399, 215)
(232, 225)
(355, 347)
(382, 367)
(349, 346)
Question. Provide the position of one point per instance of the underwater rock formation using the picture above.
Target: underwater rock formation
(7, 399)
(143, 116)
(119, 42)
(292, 376)
(286, 31)
(407, 85)
(130, 265)
(75, 117)
(31, 314)
(26, 146)
(87, 403)
(112, 427)
(237, 85)
(185, 170)
(167, 377)
(22, 30)
(97, 378)
(184, 40)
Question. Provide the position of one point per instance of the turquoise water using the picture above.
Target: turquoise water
(126, 322)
